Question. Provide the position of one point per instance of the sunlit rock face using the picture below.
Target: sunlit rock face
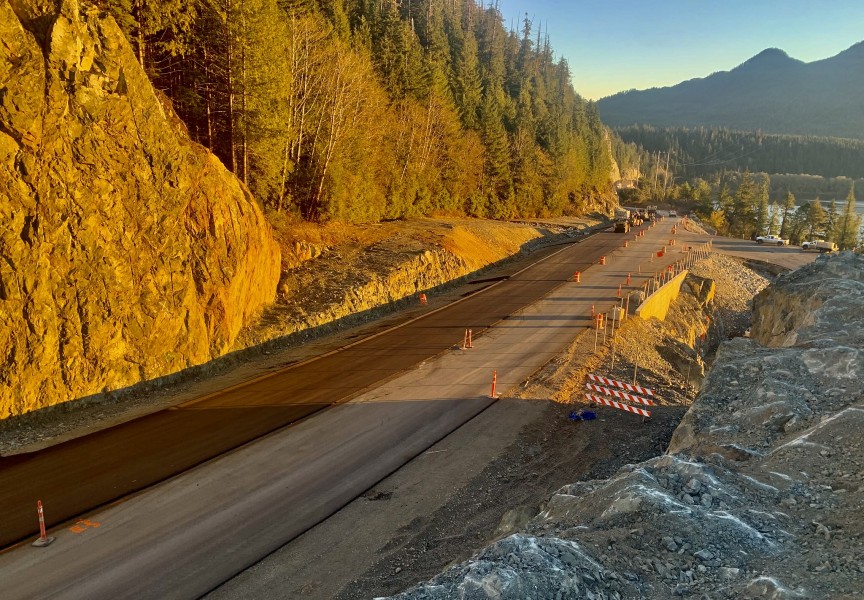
(127, 252)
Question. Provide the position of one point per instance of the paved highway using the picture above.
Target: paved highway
(788, 257)
(84, 473)
(410, 387)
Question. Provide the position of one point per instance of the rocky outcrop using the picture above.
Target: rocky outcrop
(759, 495)
(811, 302)
(127, 252)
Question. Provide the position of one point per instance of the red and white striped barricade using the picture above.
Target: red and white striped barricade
(620, 384)
(618, 405)
(617, 394)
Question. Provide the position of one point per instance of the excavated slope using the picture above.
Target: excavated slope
(386, 265)
(127, 251)
(759, 495)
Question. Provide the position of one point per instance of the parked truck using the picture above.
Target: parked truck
(772, 239)
(821, 246)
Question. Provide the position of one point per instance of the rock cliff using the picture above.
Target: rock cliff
(759, 495)
(127, 252)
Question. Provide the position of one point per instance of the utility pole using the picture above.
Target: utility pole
(666, 174)
(656, 157)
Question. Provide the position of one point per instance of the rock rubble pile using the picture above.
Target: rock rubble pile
(759, 495)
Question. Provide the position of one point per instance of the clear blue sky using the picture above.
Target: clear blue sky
(615, 45)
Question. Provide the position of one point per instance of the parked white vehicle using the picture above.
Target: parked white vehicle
(820, 245)
(772, 239)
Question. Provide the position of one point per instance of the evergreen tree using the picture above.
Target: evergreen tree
(398, 55)
(269, 89)
(788, 210)
(849, 224)
(815, 224)
(702, 195)
(832, 221)
(724, 207)
(798, 227)
(154, 27)
(762, 216)
(497, 176)
(741, 214)
(774, 220)
(467, 85)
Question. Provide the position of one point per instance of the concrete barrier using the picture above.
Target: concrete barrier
(656, 306)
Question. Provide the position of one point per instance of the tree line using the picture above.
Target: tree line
(739, 205)
(701, 152)
(363, 110)
(808, 187)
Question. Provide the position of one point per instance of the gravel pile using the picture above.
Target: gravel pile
(760, 494)
(734, 297)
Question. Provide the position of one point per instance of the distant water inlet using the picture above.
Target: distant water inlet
(841, 205)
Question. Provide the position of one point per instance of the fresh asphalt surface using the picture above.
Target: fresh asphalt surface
(184, 537)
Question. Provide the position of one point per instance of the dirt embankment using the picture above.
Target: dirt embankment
(338, 273)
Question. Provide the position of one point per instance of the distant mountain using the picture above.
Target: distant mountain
(771, 92)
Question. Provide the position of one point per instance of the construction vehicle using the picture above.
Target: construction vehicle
(622, 220)
(622, 214)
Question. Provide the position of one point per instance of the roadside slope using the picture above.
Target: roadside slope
(759, 495)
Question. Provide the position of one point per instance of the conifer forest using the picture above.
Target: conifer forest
(366, 110)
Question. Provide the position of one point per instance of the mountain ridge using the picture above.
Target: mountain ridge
(771, 92)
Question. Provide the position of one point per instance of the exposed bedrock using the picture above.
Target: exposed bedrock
(127, 252)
